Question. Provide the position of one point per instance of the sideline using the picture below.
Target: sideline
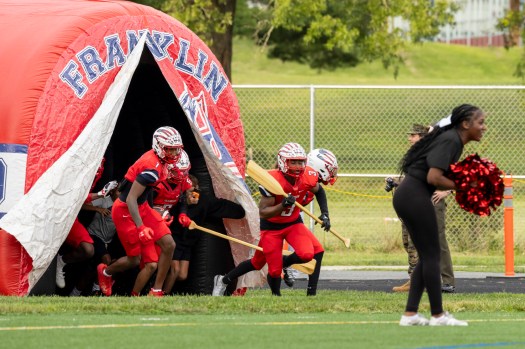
(392, 273)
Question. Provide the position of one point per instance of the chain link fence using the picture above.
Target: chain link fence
(366, 128)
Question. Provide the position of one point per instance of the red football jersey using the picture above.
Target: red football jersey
(149, 168)
(303, 185)
(167, 196)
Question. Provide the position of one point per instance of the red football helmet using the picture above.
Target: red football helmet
(178, 172)
(288, 152)
(325, 163)
(165, 138)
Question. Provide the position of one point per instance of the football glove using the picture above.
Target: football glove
(145, 234)
(288, 201)
(168, 219)
(325, 222)
(184, 220)
(107, 188)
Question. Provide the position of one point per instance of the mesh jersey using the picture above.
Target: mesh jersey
(148, 170)
(167, 195)
(303, 185)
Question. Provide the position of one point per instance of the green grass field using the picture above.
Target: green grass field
(346, 319)
(427, 64)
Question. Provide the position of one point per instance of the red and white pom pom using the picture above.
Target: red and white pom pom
(479, 185)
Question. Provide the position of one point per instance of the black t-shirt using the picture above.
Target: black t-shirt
(440, 153)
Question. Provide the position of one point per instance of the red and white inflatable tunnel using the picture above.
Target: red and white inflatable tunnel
(85, 79)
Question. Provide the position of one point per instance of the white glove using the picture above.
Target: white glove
(107, 188)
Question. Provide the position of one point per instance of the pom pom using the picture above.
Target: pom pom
(479, 185)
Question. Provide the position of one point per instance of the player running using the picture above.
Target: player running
(324, 162)
(140, 227)
(280, 220)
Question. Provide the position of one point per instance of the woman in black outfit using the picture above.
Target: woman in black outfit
(423, 166)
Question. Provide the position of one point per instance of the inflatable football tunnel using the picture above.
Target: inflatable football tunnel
(83, 80)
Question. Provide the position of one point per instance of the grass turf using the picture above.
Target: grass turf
(346, 319)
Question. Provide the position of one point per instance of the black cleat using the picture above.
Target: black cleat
(288, 277)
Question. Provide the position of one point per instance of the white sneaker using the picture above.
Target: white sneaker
(446, 320)
(414, 320)
(60, 276)
(218, 286)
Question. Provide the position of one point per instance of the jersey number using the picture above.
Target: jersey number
(288, 211)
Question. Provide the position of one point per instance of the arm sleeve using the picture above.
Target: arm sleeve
(148, 177)
(264, 192)
(183, 204)
(321, 200)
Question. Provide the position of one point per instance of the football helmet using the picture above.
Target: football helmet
(164, 138)
(325, 163)
(178, 172)
(291, 151)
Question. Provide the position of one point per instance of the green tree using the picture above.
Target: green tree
(512, 24)
(211, 20)
(326, 34)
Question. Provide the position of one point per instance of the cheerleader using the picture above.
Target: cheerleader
(424, 166)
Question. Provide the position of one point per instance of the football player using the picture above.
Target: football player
(280, 220)
(324, 162)
(139, 226)
(78, 240)
(169, 194)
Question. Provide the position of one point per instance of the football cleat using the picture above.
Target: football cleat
(105, 282)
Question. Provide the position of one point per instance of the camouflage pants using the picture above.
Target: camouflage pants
(447, 273)
(410, 249)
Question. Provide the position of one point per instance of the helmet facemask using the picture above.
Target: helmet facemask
(290, 152)
(167, 144)
(171, 155)
(178, 172)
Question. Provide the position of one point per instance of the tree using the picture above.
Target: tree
(326, 34)
(512, 24)
(211, 20)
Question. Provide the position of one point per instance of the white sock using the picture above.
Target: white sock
(105, 274)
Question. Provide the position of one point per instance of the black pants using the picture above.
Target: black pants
(413, 205)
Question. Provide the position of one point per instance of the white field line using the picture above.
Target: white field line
(197, 324)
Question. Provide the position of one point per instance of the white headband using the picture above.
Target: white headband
(445, 121)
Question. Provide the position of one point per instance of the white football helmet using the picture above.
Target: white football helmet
(291, 151)
(178, 172)
(325, 163)
(167, 137)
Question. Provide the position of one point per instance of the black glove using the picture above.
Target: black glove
(326, 221)
(288, 201)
